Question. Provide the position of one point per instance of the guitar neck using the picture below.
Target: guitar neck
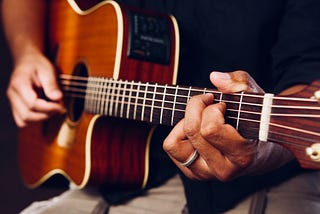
(292, 122)
(161, 104)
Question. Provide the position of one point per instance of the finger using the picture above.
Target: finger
(29, 99)
(22, 116)
(211, 162)
(236, 81)
(178, 148)
(48, 81)
(177, 145)
(225, 137)
(193, 115)
(216, 164)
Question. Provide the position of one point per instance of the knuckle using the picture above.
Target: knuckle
(204, 176)
(243, 162)
(210, 131)
(190, 131)
(242, 77)
(24, 119)
(169, 144)
(225, 175)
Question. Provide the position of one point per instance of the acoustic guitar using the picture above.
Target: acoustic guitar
(117, 67)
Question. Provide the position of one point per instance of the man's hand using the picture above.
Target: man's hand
(34, 75)
(222, 151)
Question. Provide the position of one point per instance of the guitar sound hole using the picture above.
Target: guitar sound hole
(75, 102)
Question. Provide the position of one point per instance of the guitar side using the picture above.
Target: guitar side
(91, 149)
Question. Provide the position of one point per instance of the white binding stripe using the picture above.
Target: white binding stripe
(118, 12)
(177, 49)
(265, 117)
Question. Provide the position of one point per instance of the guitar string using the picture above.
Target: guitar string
(247, 119)
(279, 133)
(74, 80)
(247, 112)
(93, 92)
(295, 137)
(183, 105)
(297, 115)
(84, 84)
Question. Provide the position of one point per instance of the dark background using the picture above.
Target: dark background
(14, 196)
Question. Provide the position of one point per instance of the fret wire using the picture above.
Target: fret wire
(106, 108)
(129, 100)
(220, 99)
(189, 93)
(152, 103)
(204, 90)
(162, 105)
(144, 101)
(90, 96)
(136, 102)
(93, 87)
(123, 98)
(102, 91)
(98, 92)
(103, 95)
(87, 100)
(117, 97)
(239, 111)
(112, 98)
(97, 102)
(174, 104)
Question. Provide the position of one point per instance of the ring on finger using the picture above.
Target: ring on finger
(190, 159)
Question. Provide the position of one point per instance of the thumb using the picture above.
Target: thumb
(48, 81)
(235, 81)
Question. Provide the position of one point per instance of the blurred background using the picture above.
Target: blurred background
(14, 196)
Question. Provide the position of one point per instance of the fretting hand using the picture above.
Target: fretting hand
(207, 146)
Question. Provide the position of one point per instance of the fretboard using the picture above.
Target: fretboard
(161, 104)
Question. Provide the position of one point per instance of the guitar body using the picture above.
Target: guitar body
(91, 149)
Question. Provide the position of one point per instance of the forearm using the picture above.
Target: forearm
(24, 26)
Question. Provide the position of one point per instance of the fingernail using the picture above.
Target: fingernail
(56, 94)
(220, 75)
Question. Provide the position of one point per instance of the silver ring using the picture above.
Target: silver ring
(191, 159)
